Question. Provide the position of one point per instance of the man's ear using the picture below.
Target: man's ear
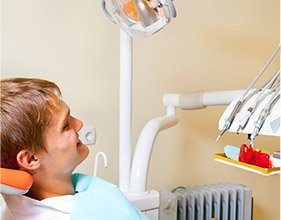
(27, 160)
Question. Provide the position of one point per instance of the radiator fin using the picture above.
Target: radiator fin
(224, 201)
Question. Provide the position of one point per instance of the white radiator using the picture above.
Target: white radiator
(217, 201)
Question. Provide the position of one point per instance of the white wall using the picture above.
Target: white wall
(211, 45)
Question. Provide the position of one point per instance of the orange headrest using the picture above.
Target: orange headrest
(15, 181)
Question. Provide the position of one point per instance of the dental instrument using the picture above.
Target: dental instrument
(240, 101)
(245, 115)
(264, 113)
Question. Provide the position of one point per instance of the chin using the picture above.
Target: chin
(83, 152)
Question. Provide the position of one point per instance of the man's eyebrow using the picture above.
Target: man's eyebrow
(66, 115)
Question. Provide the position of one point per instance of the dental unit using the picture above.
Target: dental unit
(141, 18)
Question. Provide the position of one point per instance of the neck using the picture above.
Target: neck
(47, 187)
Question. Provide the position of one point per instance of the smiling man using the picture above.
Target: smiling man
(40, 136)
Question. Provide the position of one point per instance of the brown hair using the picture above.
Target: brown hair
(26, 108)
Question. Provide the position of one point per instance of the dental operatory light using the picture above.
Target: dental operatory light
(139, 18)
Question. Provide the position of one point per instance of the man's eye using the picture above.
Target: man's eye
(65, 126)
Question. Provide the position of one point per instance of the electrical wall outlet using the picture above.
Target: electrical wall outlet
(87, 135)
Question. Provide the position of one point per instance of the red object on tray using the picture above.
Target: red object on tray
(256, 157)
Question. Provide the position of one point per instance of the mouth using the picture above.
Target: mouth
(79, 143)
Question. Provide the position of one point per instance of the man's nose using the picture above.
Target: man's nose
(78, 125)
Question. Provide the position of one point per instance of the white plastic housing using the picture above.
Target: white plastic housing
(143, 152)
(197, 100)
(125, 110)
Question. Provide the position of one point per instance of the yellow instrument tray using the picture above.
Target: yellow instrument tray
(220, 157)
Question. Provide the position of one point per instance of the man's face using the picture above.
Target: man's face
(64, 149)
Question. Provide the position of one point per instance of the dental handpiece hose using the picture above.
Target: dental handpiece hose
(267, 85)
(245, 116)
(263, 115)
(239, 103)
(267, 93)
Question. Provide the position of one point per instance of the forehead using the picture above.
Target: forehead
(59, 111)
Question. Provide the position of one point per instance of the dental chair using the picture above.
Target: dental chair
(13, 182)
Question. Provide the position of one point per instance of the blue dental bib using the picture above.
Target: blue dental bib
(96, 199)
